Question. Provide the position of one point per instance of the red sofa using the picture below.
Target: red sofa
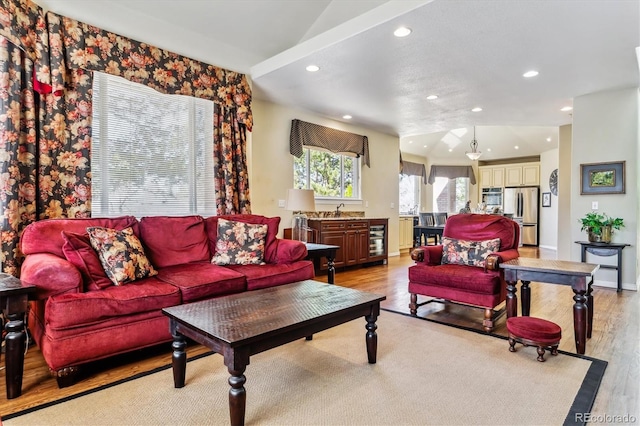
(76, 319)
(481, 285)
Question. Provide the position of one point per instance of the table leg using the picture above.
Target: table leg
(14, 356)
(512, 299)
(619, 270)
(580, 313)
(525, 291)
(236, 360)
(179, 360)
(331, 268)
(372, 336)
(590, 308)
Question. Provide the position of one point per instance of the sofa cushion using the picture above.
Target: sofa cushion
(201, 280)
(81, 309)
(473, 280)
(467, 252)
(239, 243)
(174, 240)
(44, 236)
(262, 276)
(121, 254)
(78, 251)
(270, 247)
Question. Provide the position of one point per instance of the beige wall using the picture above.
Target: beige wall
(565, 175)
(548, 224)
(605, 129)
(271, 167)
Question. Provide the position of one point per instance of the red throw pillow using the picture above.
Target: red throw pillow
(78, 251)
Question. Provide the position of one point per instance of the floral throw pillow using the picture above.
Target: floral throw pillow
(121, 254)
(239, 243)
(465, 252)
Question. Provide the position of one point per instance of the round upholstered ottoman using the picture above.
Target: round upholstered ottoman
(532, 331)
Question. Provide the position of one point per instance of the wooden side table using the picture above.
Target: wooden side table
(14, 299)
(315, 251)
(604, 249)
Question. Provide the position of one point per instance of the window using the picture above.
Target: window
(450, 195)
(329, 175)
(152, 153)
(409, 194)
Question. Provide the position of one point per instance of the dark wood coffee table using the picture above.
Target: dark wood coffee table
(240, 325)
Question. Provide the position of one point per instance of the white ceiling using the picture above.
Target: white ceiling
(469, 53)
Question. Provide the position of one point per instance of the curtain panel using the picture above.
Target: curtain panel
(452, 172)
(45, 123)
(413, 169)
(309, 134)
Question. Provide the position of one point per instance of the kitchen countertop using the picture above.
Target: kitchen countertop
(345, 218)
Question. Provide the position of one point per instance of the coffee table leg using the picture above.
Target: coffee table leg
(331, 269)
(590, 311)
(372, 336)
(179, 360)
(236, 361)
(580, 313)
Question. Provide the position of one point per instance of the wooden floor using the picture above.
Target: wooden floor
(616, 338)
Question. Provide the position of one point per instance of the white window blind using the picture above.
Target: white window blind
(151, 153)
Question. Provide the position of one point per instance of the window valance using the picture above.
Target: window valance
(69, 44)
(413, 169)
(309, 134)
(452, 172)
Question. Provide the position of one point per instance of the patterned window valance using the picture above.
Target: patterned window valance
(71, 44)
(309, 134)
(452, 172)
(413, 169)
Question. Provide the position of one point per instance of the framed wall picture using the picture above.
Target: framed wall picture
(546, 199)
(602, 178)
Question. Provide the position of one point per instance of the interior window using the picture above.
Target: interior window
(450, 195)
(151, 153)
(329, 175)
(409, 202)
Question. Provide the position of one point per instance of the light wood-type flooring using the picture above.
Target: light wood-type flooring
(616, 338)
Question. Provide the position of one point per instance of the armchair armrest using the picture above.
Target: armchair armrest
(430, 255)
(51, 275)
(288, 251)
(495, 259)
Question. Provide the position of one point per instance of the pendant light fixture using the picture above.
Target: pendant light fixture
(474, 154)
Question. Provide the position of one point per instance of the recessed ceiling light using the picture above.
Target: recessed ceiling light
(516, 147)
(450, 150)
(530, 74)
(432, 97)
(424, 146)
(347, 117)
(402, 32)
(565, 109)
(313, 68)
(488, 149)
(548, 139)
(410, 141)
(477, 109)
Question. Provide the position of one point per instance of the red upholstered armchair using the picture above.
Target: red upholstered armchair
(464, 269)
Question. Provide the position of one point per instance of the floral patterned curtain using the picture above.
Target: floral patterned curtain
(51, 177)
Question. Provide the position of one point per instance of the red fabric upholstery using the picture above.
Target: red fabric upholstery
(272, 223)
(535, 329)
(174, 240)
(45, 236)
(262, 276)
(77, 310)
(78, 251)
(467, 284)
(202, 280)
(74, 319)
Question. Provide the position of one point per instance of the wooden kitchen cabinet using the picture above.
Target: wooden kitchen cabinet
(406, 232)
(360, 241)
(491, 177)
(525, 174)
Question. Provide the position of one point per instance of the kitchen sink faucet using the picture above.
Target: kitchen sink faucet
(338, 209)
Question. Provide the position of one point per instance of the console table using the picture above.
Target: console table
(14, 298)
(604, 249)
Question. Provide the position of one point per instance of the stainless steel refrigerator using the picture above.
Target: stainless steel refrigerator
(522, 202)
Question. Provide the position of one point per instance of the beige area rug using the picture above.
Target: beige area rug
(426, 374)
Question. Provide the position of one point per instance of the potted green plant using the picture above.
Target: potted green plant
(600, 226)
